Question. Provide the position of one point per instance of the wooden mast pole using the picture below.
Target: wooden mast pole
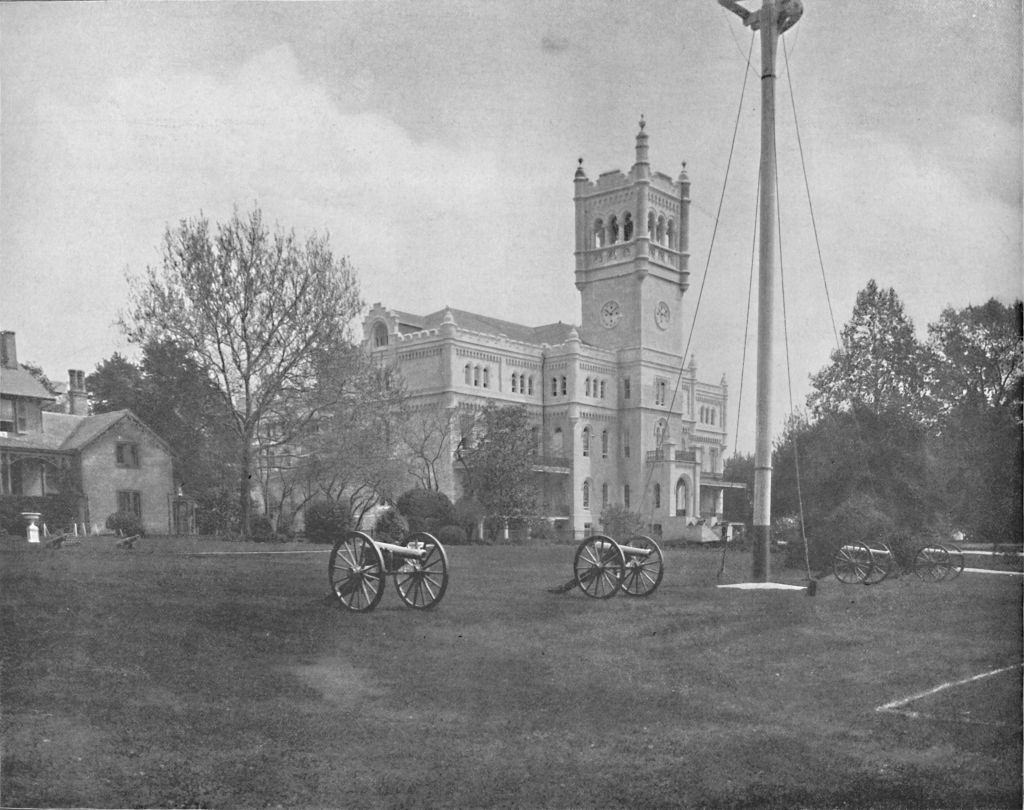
(774, 17)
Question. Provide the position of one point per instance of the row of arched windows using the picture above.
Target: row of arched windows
(521, 384)
(708, 414)
(660, 229)
(594, 388)
(585, 441)
(682, 494)
(479, 376)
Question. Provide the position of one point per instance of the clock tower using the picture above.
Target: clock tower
(632, 241)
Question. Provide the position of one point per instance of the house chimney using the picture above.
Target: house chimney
(8, 350)
(78, 402)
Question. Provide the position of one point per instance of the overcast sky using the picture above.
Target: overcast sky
(436, 144)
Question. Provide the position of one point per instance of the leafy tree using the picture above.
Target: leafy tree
(738, 503)
(253, 310)
(880, 366)
(172, 396)
(426, 510)
(979, 355)
(496, 455)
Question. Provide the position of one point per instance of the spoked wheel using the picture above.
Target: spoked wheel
(599, 566)
(956, 560)
(643, 571)
(852, 563)
(421, 582)
(882, 564)
(356, 572)
(932, 563)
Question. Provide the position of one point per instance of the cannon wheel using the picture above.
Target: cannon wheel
(356, 572)
(599, 566)
(643, 573)
(882, 564)
(932, 564)
(852, 562)
(956, 560)
(421, 583)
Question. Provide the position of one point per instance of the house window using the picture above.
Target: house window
(625, 496)
(129, 501)
(587, 387)
(586, 494)
(625, 388)
(554, 386)
(476, 376)
(604, 494)
(529, 385)
(126, 454)
(586, 441)
(486, 376)
(657, 496)
(660, 392)
(469, 378)
(604, 444)
(564, 387)
(7, 415)
(602, 389)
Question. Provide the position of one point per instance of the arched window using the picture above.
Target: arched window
(613, 230)
(564, 387)
(586, 441)
(625, 496)
(515, 383)
(380, 334)
(588, 386)
(586, 494)
(602, 389)
(627, 227)
(657, 496)
(554, 386)
(682, 497)
(650, 223)
(671, 233)
(599, 235)
(476, 375)
(714, 459)
(469, 378)
(660, 432)
(529, 385)
(556, 441)
(604, 444)
(625, 388)
(712, 416)
(659, 235)
(522, 384)
(604, 494)
(486, 376)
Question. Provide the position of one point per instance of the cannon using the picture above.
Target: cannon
(871, 563)
(358, 565)
(603, 567)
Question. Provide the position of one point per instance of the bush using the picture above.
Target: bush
(426, 510)
(218, 513)
(451, 536)
(56, 511)
(327, 521)
(390, 527)
(261, 529)
(619, 523)
(469, 513)
(125, 523)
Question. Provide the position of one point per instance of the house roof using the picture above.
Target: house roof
(69, 433)
(17, 382)
(551, 333)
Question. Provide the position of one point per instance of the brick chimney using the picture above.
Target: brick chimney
(8, 350)
(78, 402)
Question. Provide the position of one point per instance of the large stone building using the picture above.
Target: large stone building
(620, 416)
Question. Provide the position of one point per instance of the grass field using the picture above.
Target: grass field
(158, 678)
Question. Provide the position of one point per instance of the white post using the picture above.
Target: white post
(32, 531)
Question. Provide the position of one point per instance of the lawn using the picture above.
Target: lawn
(159, 678)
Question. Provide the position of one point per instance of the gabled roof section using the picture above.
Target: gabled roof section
(90, 428)
(552, 333)
(17, 382)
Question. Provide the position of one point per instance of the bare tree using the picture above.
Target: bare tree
(255, 310)
(427, 443)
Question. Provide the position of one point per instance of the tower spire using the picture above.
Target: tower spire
(641, 143)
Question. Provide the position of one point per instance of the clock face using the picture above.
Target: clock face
(662, 315)
(611, 313)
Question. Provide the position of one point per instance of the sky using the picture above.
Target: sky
(435, 143)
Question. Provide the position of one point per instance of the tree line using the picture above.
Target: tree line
(904, 437)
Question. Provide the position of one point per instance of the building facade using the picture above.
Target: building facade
(92, 466)
(620, 416)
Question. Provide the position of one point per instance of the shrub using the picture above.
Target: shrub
(451, 536)
(469, 513)
(426, 510)
(218, 513)
(125, 523)
(390, 527)
(619, 523)
(56, 511)
(327, 521)
(261, 529)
